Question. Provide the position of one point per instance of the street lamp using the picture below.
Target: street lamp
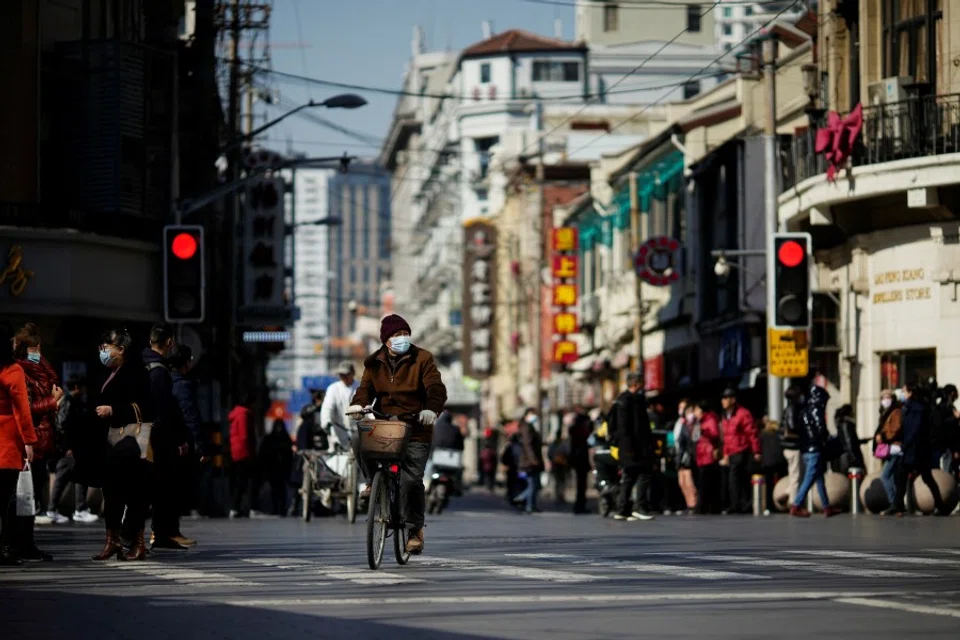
(342, 101)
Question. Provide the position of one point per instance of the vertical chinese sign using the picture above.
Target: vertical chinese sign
(565, 267)
(479, 298)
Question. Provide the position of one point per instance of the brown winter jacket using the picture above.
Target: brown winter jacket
(409, 385)
(891, 426)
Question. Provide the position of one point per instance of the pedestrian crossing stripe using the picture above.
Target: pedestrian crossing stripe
(783, 563)
(334, 572)
(678, 571)
(186, 577)
(530, 573)
(879, 557)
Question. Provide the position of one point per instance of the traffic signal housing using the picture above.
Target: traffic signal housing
(184, 278)
(791, 281)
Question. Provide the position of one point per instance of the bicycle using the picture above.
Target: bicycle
(342, 486)
(383, 445)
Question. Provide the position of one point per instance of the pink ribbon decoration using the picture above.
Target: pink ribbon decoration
(835, 141)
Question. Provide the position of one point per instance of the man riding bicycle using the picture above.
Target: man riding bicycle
(403, 379)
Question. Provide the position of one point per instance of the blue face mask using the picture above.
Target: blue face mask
(34, 358)
(400, 344)
(106, 359)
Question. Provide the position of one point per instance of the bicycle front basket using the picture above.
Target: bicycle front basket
(384, 439)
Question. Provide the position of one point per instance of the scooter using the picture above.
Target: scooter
(447, 464)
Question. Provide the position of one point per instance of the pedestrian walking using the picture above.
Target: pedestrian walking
(185, 393)
(169, 440)
(45, 399)
(336, 401)
(531, 464)
(888, 447)
(773, 464)
(629, 427)
(741, 444)
(686, 453)
(917, 446)
(812, 440)
(276, 461)
(709, 446)
(122, 403)
(488, 460)
(74, 421)
(242, 447)
(580, 458)
(789, 438)
(17, 437)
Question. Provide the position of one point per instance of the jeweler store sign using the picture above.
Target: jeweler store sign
(479, 298)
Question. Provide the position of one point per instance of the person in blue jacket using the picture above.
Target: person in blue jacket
(917, 446)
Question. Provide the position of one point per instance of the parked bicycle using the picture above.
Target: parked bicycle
(383, 445)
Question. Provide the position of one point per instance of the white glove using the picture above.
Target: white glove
(427, 417)
(354, 410)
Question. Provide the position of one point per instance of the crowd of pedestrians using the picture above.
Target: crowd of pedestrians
(704, 460)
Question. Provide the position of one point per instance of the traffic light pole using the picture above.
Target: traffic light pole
(774, 384)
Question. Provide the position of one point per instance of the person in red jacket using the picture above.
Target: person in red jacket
(242, 448)
(740, 440)
(706, 434)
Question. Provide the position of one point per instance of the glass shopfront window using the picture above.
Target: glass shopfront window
(900, 367)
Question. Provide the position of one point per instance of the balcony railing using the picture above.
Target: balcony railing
(914, 128)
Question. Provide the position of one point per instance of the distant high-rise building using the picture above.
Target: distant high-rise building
(359, 248)
(736, 21)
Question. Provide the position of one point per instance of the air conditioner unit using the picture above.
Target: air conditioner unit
(889, 90)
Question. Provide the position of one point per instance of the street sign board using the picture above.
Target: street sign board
(788, 353)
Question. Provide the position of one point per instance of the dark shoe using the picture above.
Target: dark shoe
(111, 547)
(829, 512)
(139, 551)
(166, 543)
(9, 559)
(799, 512)
(893, 511)
(34, 555)
(184, 541)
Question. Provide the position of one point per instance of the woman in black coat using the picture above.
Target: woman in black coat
(123, 399)
(917, 447)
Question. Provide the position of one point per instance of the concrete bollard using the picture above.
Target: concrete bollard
(856, 475)
(810, 499)
(759, 494)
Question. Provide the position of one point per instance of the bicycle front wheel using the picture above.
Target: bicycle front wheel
(378, 518)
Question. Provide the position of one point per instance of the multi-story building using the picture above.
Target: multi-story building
(736, 21)
(358, 256)
(883, 213)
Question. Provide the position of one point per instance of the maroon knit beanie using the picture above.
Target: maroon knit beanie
(390, 325)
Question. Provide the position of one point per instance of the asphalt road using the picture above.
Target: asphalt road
(489, 572)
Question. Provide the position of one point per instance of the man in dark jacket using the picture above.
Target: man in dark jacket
(169, 440)
(946, 429)
(917, 446)
(635, 441)
(403, 380)
(185, 392)
(811, 439)
(579, 459)
(311, 436)
(531, 460)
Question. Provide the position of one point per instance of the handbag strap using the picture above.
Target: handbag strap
(137, 414)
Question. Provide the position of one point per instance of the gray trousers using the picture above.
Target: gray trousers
(412, 492)
(65, 467)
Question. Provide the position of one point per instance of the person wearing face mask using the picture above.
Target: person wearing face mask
(45, 400)
(403, 379)
(917, 447)
(888, 447)
(122, 399)
(531, 460)
(686, 453)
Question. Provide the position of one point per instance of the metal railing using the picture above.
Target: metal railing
(913, 128)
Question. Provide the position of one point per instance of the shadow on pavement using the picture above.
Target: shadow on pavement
(58, 614)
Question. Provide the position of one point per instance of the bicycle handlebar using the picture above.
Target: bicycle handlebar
(383, 416)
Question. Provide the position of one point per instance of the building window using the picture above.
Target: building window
(727, 12)
(898, 368)
(727, 47)
(694, 16)
(728, 29)
(550, 71)
(748, 11)
(691, 89)
(485, 72)
(912, 36)
(611, 17)
(825, 334)
(482, 195)
(483, 146)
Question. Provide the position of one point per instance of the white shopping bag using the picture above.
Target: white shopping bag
(25, 499)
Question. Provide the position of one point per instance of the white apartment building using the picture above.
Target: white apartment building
(736, 21)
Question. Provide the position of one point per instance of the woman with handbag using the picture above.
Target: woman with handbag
(888, 447)
(45, 400)
(686, 434)
(124, 415)
(17, 437)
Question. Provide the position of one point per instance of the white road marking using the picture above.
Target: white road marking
(879, 557)
(900, 606)
(530, 573)
(697, 573)
(952, 552)
(186, 577)
(517, 599)
(832, 569)
(335, 572)
(489, 514)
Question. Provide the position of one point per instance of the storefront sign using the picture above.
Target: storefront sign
(658, 261)
(788, 353)
(565, 352)
(653, 374)
(479, 298)
(15, 275)
(565, 324)
(565, 267)
(902, 285)
(565, 240)
(565, 295)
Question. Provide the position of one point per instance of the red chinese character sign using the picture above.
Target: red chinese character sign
(565, 267)
(479, 298)
(565, 240)
(658, 261)
(565, 295)
(565, 324)
(565, 352)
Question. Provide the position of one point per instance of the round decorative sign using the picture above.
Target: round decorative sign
(657, 261)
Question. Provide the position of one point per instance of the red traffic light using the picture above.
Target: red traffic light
(184, 246)
(791, 253)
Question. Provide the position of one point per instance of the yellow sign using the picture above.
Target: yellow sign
(788, 353)
(14, 273)
(565, 295)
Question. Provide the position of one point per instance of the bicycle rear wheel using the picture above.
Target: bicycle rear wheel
(353, 492)
(378, 517)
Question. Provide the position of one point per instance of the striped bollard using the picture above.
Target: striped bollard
(856, 476)
(759, 494)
